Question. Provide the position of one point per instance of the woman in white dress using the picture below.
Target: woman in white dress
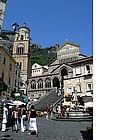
(5, 116)
(23, 118)
(32, 120)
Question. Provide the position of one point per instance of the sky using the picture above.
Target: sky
(54, 21)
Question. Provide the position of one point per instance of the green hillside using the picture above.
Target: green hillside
(43, 56)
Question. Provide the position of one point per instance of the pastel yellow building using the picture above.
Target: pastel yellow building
(81, 81)
(7, 70)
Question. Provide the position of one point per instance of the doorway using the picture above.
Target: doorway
(56, 83)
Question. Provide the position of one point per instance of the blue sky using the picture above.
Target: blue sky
(54, 21)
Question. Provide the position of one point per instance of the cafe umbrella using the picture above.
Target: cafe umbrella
(5, 101)
(18, 103)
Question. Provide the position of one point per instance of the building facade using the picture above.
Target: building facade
(7, 71)
(45, 78)
(81, 82)
(17, 79)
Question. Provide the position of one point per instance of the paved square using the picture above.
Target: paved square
(50, 130)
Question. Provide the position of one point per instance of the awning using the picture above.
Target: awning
(5, 101)
(18, 103)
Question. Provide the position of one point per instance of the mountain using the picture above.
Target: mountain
(43, 56)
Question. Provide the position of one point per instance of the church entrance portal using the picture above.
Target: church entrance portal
(56, 82)
(64, 72)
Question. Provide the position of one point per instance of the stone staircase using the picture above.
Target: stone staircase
(41, 104)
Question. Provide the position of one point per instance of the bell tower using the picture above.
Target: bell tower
(21, 52)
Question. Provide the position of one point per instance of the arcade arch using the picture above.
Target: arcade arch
(64, 72)
(56, 83)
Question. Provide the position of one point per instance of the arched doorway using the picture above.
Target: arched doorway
(64, 72)
(56, 82)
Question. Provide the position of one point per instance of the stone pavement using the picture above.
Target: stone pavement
(51, 130)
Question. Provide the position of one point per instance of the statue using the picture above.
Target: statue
(74, 97)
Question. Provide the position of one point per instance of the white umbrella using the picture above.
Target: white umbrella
(5, 101)
(18, 103)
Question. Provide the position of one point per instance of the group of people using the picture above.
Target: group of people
(63, 111)
(18, 116)
(49, 112)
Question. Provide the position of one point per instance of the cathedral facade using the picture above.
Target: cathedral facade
(45, 78)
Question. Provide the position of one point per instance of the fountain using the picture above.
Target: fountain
(76, 110)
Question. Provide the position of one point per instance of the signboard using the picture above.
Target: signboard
(16, 94)
(23, 91)
(25, 100)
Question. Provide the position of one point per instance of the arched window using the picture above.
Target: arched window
(64, 72)
(21, 37)
(56, 82)
(40, 83)
(20, 49)
(47, 83)
(33, 84)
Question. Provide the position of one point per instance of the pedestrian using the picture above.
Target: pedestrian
(63, 111)
(32, 121)
(59, 111)
(51, 111)
(47, 112)
(12, 118)
(16, 119)
(23, 118)
(5, 116)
